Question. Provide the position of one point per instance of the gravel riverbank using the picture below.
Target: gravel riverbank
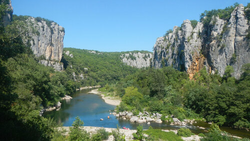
(107, 99)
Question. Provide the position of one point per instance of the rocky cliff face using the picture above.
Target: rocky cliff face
(46, 40)
(7, 18)
(138, 60)
(216, 46)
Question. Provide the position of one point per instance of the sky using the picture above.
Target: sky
(117, 25)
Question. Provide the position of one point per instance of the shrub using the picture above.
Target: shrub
(138, 135)
(214, 127)
(158, 134)
(101, 134)
(201, 135)
(117, 135)
(169, 31)
(185, 132)
(76, 133)
(194, 23)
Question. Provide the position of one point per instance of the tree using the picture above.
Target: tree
(228, 72)
(131, 95)
(76, 133)
(139, 135)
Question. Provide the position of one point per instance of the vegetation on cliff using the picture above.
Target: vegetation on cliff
(97, 68)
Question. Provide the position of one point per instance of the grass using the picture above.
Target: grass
(157, 134)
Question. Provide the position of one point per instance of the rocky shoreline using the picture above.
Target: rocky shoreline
(127, 133)
(56, 107)
(147, 117)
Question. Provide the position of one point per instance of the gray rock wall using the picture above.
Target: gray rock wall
(7, 18)
(190, 49)
(46, 40)
(58, 66)
(138, 60)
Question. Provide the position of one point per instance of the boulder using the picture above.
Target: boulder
(158, 121)
(133, 119)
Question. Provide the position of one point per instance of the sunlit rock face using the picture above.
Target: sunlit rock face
(137, 59)
(190, 48)
(46, 41)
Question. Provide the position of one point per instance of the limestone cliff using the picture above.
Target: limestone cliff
(46, 40)
(137, 59)
(214, 46)
(7, 18)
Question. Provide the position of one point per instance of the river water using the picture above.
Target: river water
(91, 108)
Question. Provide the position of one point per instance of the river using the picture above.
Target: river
(91, 108)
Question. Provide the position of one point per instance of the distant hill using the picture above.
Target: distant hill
(93, 67)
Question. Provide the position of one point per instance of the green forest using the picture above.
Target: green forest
(98, 68)
(221, 100)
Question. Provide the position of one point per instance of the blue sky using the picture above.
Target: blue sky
(117, 25)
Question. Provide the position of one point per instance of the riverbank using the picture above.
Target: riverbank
(92, 130)
(88, 87)
(127, 133)
(109, 100)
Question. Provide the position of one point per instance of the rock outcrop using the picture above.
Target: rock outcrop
(46, 40)
(45, 37)
(137, 59)
(221, 43)
(7, 18)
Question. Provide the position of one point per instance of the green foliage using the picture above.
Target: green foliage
(76, 133)
(214, 127)
(247, 12)
(194, 23)
(101, 134)
(158, 134)
(118, 136)
(103, 67)
(138, 135)
(184, 132)
(224, 14)
(48, 22)
(131, 96)
(169, 31)
(217, 135)
(228, 71)
(233, 59)
(201, 135)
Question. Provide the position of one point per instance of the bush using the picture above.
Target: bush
(201, 135)
(220, 136)
(138, 135)
(76, 133)
(117, 135)
(214, 127)
(101, 134)
(184, 132)
(158, 134)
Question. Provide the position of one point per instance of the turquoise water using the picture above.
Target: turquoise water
(90, 108)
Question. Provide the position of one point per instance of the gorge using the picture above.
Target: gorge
(198, 71)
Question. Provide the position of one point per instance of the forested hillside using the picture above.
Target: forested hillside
(26, 86)
(96, 68)
(222, 100)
